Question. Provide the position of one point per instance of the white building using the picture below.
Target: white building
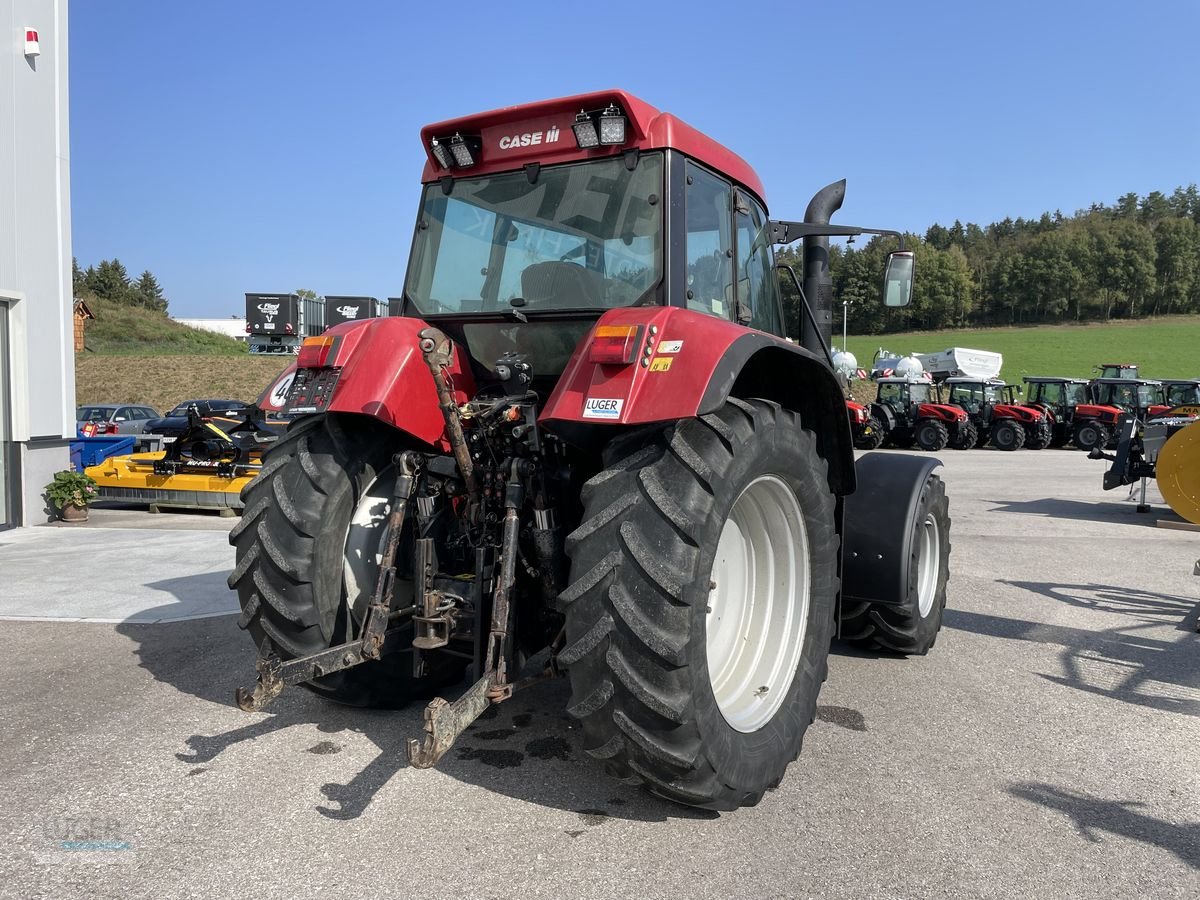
(233, 326)
(37, 360)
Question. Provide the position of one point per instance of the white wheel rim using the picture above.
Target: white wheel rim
(758, 607)
(929, 562)
(365, 540)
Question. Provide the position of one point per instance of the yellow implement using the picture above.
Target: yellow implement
(133, 478)
(1178, 472)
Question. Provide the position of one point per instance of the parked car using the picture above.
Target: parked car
(174, 423)
(115, 418)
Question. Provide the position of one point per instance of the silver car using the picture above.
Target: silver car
(115, 418)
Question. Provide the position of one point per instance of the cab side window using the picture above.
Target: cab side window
(757, 287)
(709, 218)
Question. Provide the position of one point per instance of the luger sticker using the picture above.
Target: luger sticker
(600, 408)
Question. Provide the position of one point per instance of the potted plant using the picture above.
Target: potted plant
(70, 493)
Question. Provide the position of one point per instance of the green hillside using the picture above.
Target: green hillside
(123, 330)
(1167, 347)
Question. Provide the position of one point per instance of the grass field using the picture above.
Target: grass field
(1167, 347)
(129, 331)
(163, 381)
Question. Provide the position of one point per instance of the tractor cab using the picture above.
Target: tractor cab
(997, 414)
(1056, 394)
(1181, 391)
(1133, 395)
(1116, 370)
(901, 394)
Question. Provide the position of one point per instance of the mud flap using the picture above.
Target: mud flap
(879, 525)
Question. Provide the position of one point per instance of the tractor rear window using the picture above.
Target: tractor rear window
(582, 236)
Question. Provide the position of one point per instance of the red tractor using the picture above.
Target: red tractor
(1072, 414)
(906, 412)
(587, 437)
(997, 416)
(868, 431)
(1138, 397)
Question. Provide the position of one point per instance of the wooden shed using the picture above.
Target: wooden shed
(82, 314)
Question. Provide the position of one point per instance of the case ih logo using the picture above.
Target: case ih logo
(268, 310)
(530, 138)
(348, 312)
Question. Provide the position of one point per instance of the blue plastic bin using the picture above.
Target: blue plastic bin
(94, 450)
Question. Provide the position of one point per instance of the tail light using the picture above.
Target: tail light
(314, 352)
(615, 345)
(289, 329)
(249, 328)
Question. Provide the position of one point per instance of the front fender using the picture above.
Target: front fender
(383, 375)
(688, 364)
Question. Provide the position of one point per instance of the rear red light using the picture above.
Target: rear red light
(314, 352)
(615, 345)
(289, 328)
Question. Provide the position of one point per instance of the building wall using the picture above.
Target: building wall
(231, 326)
(35, 242)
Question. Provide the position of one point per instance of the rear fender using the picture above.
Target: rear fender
(688, 365)
(878, 526)
(384, 376)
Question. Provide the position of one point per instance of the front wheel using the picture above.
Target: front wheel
(1007, 435)
(1088, 435)
(871, 436)
(912, 626)
(701, 604)
(966, 436)
(1037, 437)
(932, 435)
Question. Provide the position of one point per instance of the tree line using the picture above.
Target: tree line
(110, 281)
(1138, 257)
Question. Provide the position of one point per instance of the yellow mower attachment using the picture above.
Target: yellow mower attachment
(1178, 472)
(132, 478)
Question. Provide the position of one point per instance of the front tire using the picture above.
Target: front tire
(1088, 435)
(872, 435)
(932, 435)
(1038, 437)
(966, 436)
(678, 574)
(913, 626)
(307, 547)
(1007, 435)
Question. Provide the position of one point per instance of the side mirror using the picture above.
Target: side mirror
(898, 278)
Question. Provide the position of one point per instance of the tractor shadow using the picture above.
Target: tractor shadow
(527, 748)
(1123, 662)
(1091, 815)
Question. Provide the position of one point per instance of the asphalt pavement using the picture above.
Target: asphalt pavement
(1048, 746)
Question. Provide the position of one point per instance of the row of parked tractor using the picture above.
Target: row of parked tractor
(959, 402)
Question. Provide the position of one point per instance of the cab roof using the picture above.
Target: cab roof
(549, 123)
(1039, 379)
(1125, 381)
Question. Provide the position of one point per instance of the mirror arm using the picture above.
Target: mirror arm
(783, 232)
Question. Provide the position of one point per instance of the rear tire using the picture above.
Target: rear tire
(913, 626)
(291, 575)
(1088, 435)
(932, 435)
(1007, 435)
(656, 585)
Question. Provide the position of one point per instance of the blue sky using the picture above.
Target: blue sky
(232, 146)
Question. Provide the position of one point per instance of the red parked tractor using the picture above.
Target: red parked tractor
(997, 415)
(907, 413)
(1073, 416)
(1138, 397)
(587, 437)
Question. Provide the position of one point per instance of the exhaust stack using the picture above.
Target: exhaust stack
(818, 285)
